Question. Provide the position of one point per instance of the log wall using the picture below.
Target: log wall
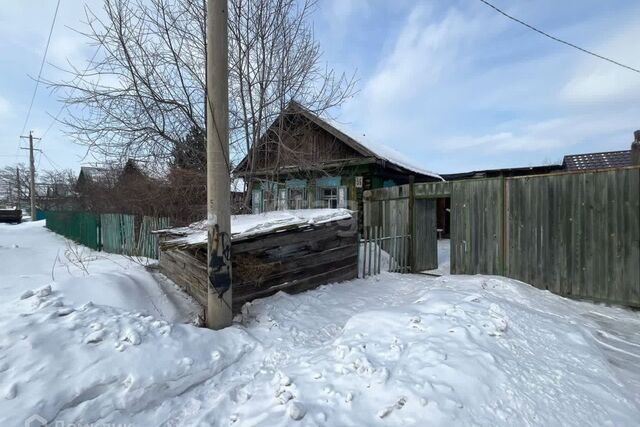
(292, 261)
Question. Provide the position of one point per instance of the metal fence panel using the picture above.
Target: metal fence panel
(81, 227)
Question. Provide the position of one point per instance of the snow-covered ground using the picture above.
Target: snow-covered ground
(32, 256)
(394, 350)
(444, 258)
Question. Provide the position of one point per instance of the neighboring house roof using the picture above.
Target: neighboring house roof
(375, 151)
(604, 160)
(98, 175)
(94, 173)
(506, 172)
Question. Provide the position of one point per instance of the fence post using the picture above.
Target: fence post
(370, 249)
(380, 237)
(412, 226)
(505, 227)
(99, 231)
(364, 252)
(358, 253)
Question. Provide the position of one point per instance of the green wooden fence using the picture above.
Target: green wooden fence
(114, 233)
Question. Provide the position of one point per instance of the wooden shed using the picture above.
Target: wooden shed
(289, 251)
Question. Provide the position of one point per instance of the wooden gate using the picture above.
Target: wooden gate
(426, 238)
(572, 233)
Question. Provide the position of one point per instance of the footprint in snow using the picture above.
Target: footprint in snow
(11, 392)
(94, 337)
(44, 292)
(26, 294)
(64, 311)
(296, 411)
(389, 409)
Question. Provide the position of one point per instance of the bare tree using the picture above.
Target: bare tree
(56, 190)
(15, 188)
(145, 89)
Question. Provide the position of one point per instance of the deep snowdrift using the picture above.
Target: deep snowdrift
(31, 257)
(397, 350)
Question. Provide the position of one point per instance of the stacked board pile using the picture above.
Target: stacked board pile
(290, 251)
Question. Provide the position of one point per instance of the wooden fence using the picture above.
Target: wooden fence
(575, 234)
(114, 233)
(292, 260)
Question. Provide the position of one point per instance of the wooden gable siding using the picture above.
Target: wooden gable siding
(301, 144)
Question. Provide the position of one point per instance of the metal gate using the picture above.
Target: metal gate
(378, 252)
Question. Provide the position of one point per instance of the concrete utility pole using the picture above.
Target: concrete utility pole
(218, 186)
(32, 168)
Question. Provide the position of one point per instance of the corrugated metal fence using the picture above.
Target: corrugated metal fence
(114, 233)
(575, 234)
(80, 227)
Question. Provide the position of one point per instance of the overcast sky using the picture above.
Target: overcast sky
(452, 84)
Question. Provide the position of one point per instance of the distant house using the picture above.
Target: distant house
(125, 189)
(504, 172)
(303, 161)
(590, 161)
(92, 176)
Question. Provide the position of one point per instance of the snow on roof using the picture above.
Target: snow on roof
(244, 226)
(94, 173)
(384, 152)
(394, 156)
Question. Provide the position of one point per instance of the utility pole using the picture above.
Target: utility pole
(218, 187)
(18, 187)
(32, 168)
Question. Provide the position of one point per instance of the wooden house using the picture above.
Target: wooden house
(304, 161)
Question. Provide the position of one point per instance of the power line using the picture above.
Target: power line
(44, 58)
(51, 162)
(559, 40)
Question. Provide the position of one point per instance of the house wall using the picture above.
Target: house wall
(300, 143)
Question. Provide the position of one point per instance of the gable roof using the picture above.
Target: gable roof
(94, 173)
(376, 152)
(604, 160)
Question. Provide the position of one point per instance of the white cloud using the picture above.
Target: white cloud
(423, 51)
(596, 81)
(465, 89)
(557, 135)
(343, 9)
(5, 107)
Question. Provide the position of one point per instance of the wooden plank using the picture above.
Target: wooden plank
(426, 238)
(301, 285)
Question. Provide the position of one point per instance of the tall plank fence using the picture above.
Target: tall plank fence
(113, 233)
(575, 234)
